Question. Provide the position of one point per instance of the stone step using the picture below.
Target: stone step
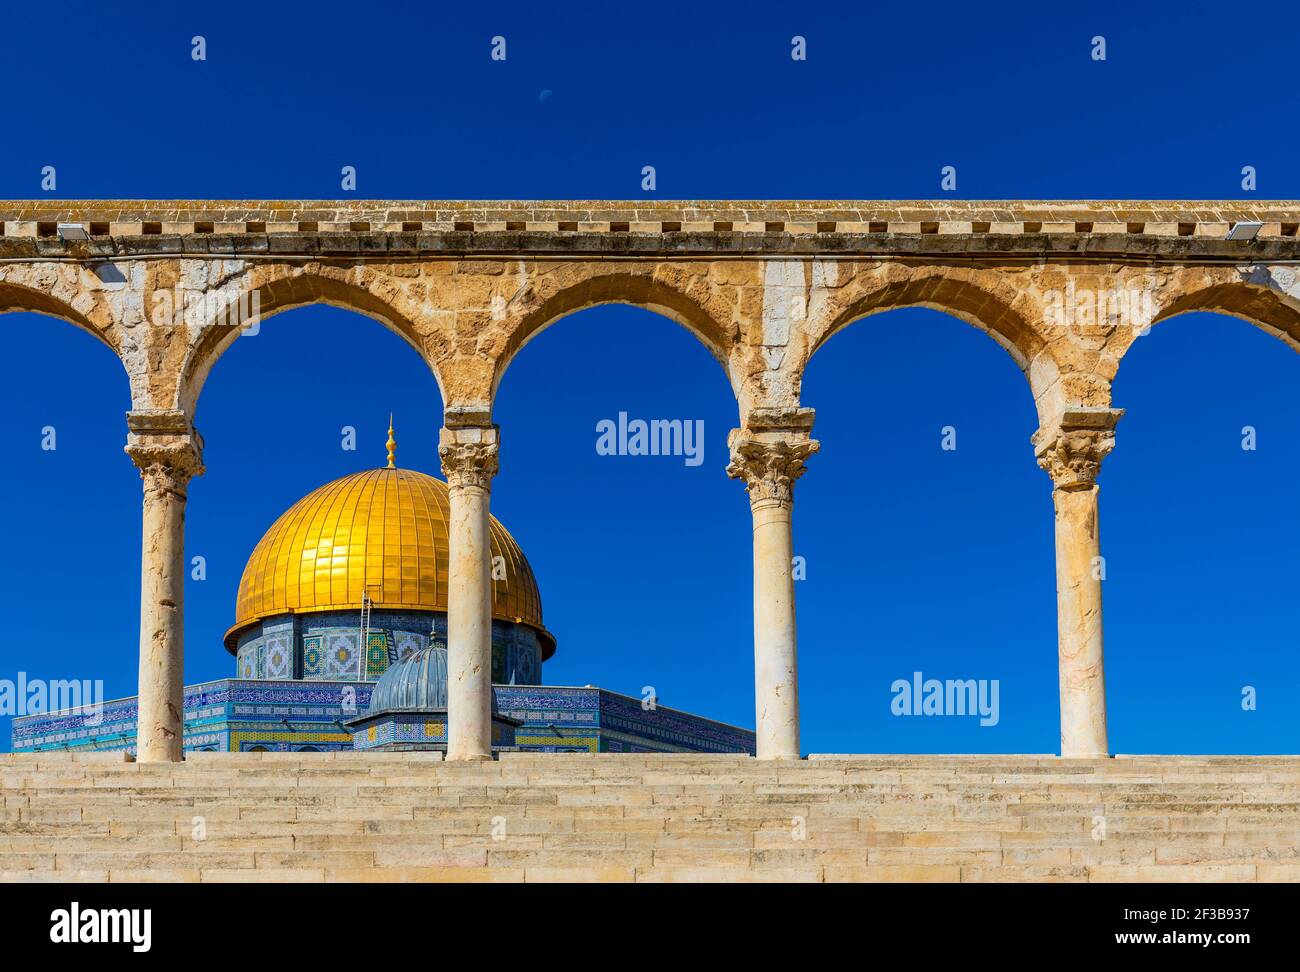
(534, 818)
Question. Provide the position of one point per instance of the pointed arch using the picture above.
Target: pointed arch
(16, 297)
(1267, 299)
(987, 305)
(683, 299)
(290, 290)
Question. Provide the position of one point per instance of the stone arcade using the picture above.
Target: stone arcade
(762, 284)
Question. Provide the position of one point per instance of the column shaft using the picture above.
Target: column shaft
(769, 460)
(469, 627)
(1079, 627)
(776, 670)
(1071, 450)
(469, 461)
(168, 452)
(160, 726)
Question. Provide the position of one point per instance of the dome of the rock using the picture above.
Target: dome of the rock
(382, 533)
(353, 579)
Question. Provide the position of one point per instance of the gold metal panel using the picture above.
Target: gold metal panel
(382, 531)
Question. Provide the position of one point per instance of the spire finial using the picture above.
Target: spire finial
(392, 444)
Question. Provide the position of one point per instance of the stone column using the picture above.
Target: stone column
(168, 452)
(469, 461)
(769, 460)
(1071, 452)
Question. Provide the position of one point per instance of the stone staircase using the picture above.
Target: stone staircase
(549, 817)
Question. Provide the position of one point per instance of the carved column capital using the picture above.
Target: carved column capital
(165, 447)
(469, 455)
(769, 462)
(1071, 450)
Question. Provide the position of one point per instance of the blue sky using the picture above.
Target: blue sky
(918, 559)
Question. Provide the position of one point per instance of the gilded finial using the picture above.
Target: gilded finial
(392, 444)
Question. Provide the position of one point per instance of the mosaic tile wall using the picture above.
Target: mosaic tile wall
(291, 715)
(326, 646)
(400, 729)
(279, 646)
(416, 730)
(555, 715)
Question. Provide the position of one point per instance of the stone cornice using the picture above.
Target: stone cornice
(1178, 230)
(601, 210)
(981, 248)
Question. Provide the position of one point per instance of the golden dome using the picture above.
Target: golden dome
(383, 531)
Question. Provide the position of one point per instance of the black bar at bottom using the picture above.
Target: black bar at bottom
(242, 924)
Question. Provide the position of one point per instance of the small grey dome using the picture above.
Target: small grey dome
(418, 683)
